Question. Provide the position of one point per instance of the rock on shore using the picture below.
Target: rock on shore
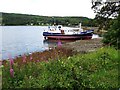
(84, 46)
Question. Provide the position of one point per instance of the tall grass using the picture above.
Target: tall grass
(93, 70)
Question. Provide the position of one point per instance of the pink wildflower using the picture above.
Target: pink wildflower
(37, 60)
(59, 44)
(31, 57)
(11, 72)
(24, 58)
(11, 60)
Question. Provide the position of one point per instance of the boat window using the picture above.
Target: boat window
(59, 26)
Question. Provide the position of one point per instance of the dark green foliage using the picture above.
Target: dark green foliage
(113, 35)
(104, 11)
(24, 19)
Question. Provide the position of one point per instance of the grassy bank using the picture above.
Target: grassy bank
(92, 70)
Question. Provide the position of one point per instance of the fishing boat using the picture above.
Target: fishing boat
(61, 33)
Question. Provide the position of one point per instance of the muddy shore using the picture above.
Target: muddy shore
(84, 46)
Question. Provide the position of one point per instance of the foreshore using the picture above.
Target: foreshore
(84, 46)
(68, 49)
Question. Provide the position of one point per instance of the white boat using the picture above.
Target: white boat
(60, 32)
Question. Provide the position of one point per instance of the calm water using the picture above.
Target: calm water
(19, 40)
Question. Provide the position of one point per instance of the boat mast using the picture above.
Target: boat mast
(80, 25)
(80, 29)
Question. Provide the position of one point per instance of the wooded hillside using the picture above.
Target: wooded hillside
(25, 19)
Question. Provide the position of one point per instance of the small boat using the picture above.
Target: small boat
(62, 33)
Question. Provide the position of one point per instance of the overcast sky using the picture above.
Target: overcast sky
(48, 7)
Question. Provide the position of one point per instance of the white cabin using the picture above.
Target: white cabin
(63, 30)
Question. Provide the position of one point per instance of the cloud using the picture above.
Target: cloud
(48, 7)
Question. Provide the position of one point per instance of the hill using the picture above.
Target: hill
(25, 19)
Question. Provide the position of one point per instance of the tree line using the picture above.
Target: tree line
(25, 19)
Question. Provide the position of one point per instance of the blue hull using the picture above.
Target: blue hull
(83, 35)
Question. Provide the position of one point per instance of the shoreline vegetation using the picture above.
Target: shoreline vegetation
(64, 67)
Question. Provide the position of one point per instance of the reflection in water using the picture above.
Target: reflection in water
(95, 36)
(54, 43)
